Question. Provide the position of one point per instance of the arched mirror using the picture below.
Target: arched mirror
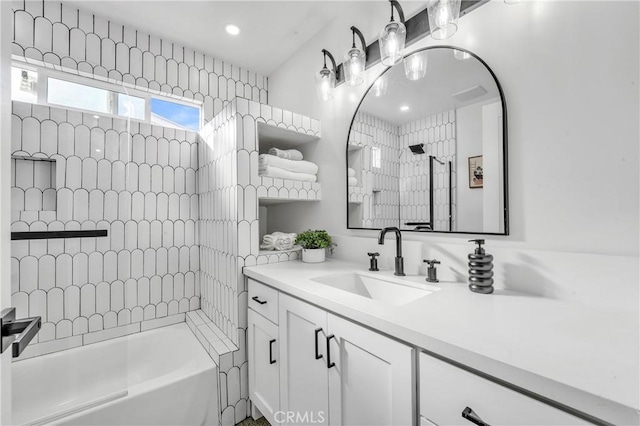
(427, 151)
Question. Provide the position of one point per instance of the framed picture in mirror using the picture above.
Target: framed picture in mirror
(476, 174)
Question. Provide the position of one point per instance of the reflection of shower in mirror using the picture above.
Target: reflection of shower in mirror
(417, 149)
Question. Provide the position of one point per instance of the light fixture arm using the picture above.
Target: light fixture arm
(333, 61)
(397, 6)
(360, 36)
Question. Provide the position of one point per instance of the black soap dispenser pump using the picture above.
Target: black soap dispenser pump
(480, 270)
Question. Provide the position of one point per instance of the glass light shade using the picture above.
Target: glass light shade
(415, 65)
(443, 18)
(353, 66)
(391, 42)
(379, 88)
(461, 55)
(325, 82)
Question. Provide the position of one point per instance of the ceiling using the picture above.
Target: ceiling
(270, 31)
(445, 77)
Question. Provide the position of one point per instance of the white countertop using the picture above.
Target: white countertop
(585, 358)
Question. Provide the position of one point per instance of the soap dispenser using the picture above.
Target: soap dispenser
(480, 270)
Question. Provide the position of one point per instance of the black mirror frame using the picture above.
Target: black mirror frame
(504, 148)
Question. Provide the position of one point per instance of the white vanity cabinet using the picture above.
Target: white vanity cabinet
(370, 383)
(264, 359)
(339, 372)
(303, 371)
(331, 371)
(446, 391)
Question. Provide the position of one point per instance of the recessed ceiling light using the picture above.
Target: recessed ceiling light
(232, 29)
(404, 108)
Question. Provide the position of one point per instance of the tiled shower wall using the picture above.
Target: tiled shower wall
(438, 133)
(404, 177)
(165, 219)
(230, 189)
(383, 204)
(134, 180)
(59, 34)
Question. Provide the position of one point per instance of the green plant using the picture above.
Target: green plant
(314, 239)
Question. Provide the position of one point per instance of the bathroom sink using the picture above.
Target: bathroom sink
(393, 291)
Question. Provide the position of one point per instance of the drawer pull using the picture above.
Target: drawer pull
(262, 302)
(329, 363)
(318, 355)
(271, 342)
(470, 415)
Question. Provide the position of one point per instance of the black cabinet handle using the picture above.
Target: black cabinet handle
(262, 302)
(318, 355)
(470, 415)
(271, 342)
(329, 363)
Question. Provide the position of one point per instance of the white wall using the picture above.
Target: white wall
(573, 179)
(572, 97)
(469, 144)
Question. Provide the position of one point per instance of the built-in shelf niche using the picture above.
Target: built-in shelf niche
(33, 184)
(275, 192)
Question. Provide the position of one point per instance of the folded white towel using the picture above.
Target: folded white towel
(289, 154)
(299, 166)
(351, 172)
(278, 241)
(352, 181)
(276, 172)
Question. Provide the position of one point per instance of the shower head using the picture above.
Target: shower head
(417, 149)
(436, 158)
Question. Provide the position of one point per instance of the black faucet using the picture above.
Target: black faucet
(399, 269)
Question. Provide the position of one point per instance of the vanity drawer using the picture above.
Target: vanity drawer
(263, 300)
(446, 390)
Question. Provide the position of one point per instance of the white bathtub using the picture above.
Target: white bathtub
(158, 377)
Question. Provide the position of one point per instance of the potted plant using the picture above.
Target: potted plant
(314, 245)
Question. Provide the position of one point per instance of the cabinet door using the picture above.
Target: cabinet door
(303, 371)
(370, 383)
(264, 383)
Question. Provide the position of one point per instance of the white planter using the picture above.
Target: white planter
(313, 255)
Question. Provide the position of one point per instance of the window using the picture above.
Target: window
(68, 94)
(172, 114)
(376, 157)
(48, 87)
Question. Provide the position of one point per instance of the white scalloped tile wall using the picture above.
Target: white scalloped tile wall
(108, 176)
(408, 182)
(230, 188)
(60, 34)
(33, 185)
(381, 203)
(438, 133)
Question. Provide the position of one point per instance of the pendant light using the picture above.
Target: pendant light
(443, 18)
(326, 78)
(354, 60)
(415, 65)
(461, 55)
(392, 38)
(379, 88)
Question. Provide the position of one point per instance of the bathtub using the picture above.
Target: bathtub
(158, 377)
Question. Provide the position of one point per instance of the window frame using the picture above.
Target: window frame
(112, 86)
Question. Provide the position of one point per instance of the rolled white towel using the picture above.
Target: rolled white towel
(351, 172)
(289, 154)
(300, 166)
(278, 241)
(352, 181)
(276, 172)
